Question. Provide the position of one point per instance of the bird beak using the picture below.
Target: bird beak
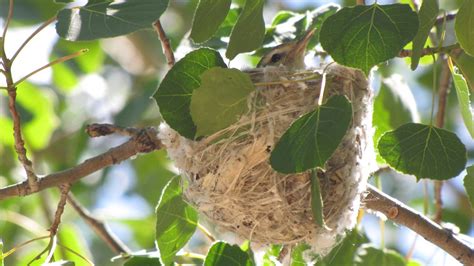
(297, 54)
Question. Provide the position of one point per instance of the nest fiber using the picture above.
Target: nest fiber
(231, 182)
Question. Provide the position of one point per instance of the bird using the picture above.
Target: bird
(290, 55)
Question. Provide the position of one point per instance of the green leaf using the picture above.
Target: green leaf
(368, 255)
(463, 94)
(424, 151)
(297, 258)
(469, 184)
(222, 253)
(142, 261)
(343, 253)
(220, 100)
(464, 26)
(207, 18)
(312, 138)
(465, 63)
(105, 18)
(249, 31)
(174, 93)
(428, 13)
(176, 221)
(394, 106)
(363, 36)
(316, 200)
(1, 252)
(271, 255)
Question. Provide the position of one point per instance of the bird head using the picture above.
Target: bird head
(290, 55)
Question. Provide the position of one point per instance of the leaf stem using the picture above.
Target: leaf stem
(7, 22)
(52, 63)
(38, 30)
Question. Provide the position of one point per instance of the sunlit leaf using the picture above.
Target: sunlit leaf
(424, 151)
(363, 36)
(312, 138)
(465, 63)
(297, 258)
(368, 255)
(222, 253)
(1, 252)
(271, 255)
(248, 33)
(176, 221)
(463, 94)
(469, 184)
(174, 93)
(220, 100)
(464, 26)
(74, 241)
(105, 18)
(427, 15)
(207, 18)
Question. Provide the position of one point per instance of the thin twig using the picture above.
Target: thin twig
(9, 18)
(99, 227)
(404, 215)
(144, 142)
(443, 90)
(100, 130)
(52, 63)
(165, 43)
(60, 209)
(430, 50)
(38, 30)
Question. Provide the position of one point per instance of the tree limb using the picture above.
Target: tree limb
(404, 215)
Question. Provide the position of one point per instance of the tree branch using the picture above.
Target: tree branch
(404, 215)
(99, 227)
(430, 50)
(165, 43)
(144, 142)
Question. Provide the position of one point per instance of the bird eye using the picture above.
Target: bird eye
(275, 58)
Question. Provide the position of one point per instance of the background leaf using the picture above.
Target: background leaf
(368, 255)
(427, 15)
(464, 26)
(220, 100)
(207, 18)
(465, 63)
(222, 253)
(469, 184)
(363, 36)
(142, 261)
(344, 252)
(105, 18)
(174, 93)
(463, 94)
(424, 151)
(297, 258)
(312, 138)
(249, 31)
(316, 200)
(176, 221)
(394, 106)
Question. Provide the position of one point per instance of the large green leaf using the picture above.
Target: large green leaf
(174, 93)
(394, 106)
(105, 18)
(297, 258)
(463, 94)
(343, 253)
(222, 253)
(312, 138)
(427, 16)
(220, 100)
(142, 261)
(207, 18)
(464, 26)
(368, 255)
(249, 31)
(363, 36)
(469, 184)
(424, 151)
(176, 221)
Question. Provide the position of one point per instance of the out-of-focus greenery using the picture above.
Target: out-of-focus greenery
(113, 83)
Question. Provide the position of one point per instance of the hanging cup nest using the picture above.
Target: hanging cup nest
(231, 182)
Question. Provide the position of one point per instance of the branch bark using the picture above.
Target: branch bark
(404, 215)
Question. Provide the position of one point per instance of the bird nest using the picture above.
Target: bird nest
(230, 180)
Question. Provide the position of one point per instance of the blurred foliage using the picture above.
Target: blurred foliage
(53, 128)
